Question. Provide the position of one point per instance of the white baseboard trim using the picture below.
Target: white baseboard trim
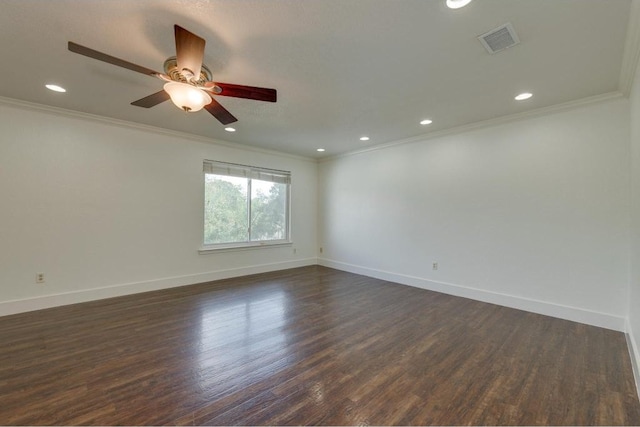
(563, 312)
(56, 300)
(575, 314)
(634, 354)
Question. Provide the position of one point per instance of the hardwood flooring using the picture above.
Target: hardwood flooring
(308, 346)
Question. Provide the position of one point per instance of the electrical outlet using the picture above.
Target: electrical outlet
(39, 277)
(295, 251)
(320, 250)
(435, 265)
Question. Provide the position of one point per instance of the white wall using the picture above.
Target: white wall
(532, 214)
(634, 280)
(95, 205)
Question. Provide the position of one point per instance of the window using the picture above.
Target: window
(245, 205)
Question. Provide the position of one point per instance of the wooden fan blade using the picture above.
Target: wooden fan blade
(82, 50)
(189, 51)
(152, 100)
(248, 92)
(220, 113)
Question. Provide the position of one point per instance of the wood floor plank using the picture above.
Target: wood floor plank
(308, 346)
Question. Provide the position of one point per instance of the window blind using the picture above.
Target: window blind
(240, 171)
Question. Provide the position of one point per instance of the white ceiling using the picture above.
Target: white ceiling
(342, 68)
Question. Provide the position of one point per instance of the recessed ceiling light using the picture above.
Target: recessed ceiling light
(364, 138)
(320, 150)
(55, 88)
(426, 122)
(230, 129)
(457, 4)
(523, 96)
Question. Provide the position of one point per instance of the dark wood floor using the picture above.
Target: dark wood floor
(308, 346)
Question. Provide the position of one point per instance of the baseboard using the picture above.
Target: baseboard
(56, 300)
(634, 354)
(563, 312)
(575, 314)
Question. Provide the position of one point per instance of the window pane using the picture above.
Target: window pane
(268, 210)
(225, 209)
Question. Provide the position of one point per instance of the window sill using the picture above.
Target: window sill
(242, 247)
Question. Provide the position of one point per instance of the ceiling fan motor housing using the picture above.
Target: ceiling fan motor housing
(171, 69)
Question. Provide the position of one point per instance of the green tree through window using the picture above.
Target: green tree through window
(245, 204)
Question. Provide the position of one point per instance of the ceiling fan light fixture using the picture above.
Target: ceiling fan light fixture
(187, 80)
(187, 97)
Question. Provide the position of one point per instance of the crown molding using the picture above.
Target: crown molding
(539, 112)
(631, 50)
(31, 106)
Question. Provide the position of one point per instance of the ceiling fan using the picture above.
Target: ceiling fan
(188, 82)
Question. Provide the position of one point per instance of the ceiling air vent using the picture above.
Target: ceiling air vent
(500, 38)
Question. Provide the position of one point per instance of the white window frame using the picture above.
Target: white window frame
(249, 172)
